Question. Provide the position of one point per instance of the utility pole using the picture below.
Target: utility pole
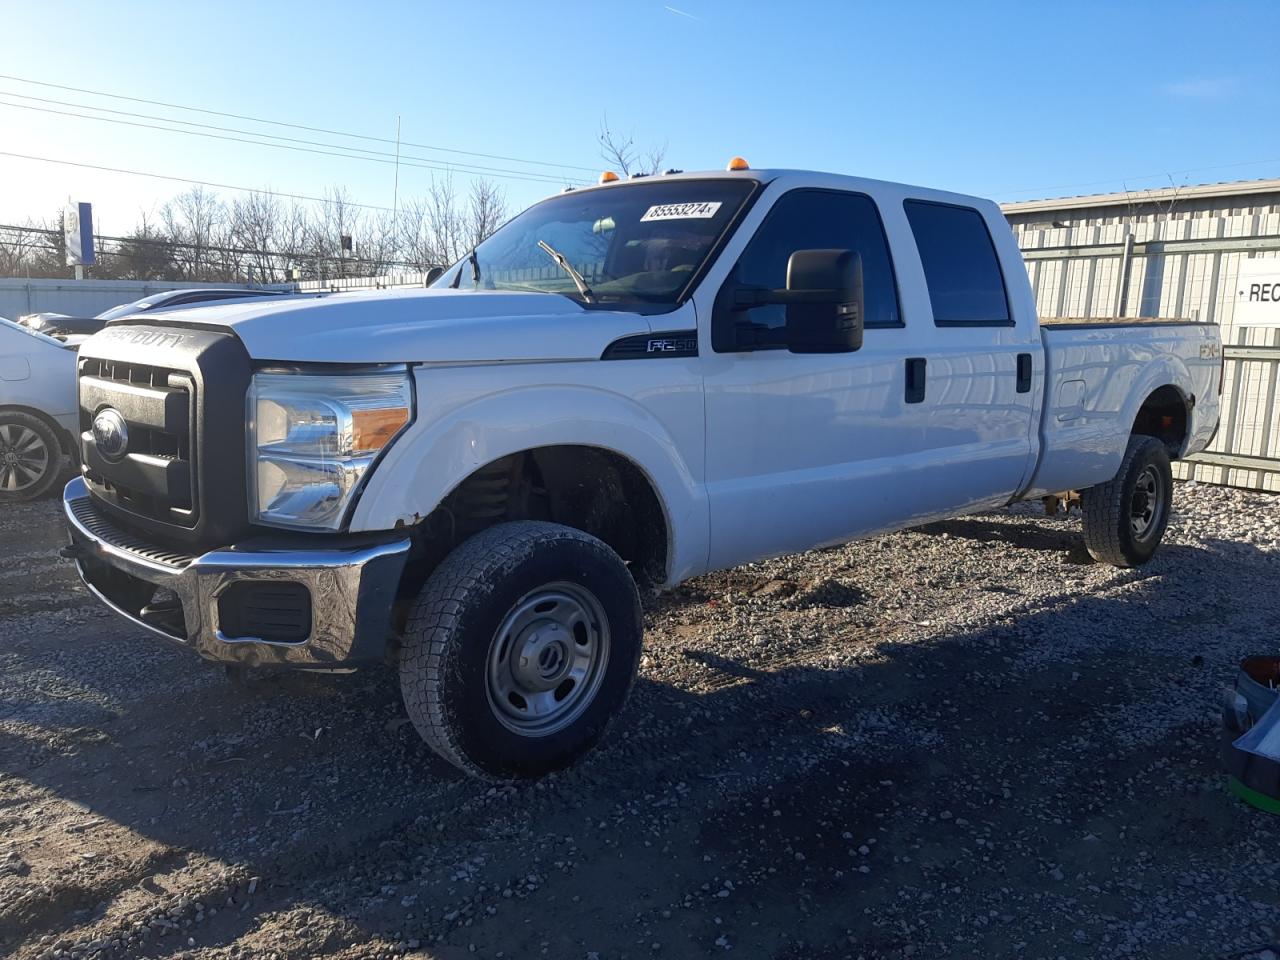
(395, 189)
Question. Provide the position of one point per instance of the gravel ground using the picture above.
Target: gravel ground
(965, 740)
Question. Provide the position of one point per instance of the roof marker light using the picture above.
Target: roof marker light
(608, 177)
(737, 163)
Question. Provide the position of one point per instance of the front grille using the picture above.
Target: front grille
(108, 532)
(156, 478)
(178, 478)
(138, 374)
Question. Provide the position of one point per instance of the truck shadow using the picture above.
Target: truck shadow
(321, 790)
(1046, 534)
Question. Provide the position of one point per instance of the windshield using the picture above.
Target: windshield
(638, 242)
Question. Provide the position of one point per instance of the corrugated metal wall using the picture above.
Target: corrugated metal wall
(1179, 268)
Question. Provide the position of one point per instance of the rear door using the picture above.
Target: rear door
(976, 364)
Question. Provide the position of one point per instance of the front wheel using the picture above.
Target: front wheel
(1125, 518)
(520, 648)
(30, 457)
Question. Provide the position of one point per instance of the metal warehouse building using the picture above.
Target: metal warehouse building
(1175, 252)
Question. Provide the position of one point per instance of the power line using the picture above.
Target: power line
(460, 167)
(295, 126)
(198, 183)
(280, 146)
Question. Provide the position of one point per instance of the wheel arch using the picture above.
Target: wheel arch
(558, 431)
(66, 441)
(1165, 414)
(593, 489)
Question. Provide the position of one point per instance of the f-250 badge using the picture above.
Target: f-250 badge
(673, 345)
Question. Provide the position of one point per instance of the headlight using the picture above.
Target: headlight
(313, 438)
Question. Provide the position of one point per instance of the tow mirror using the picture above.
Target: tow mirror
(823, 298)
(824, 301)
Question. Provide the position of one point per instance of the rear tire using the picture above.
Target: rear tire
(30, 457)
(1125, 518)
(520, 648)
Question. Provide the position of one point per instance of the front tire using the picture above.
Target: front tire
(520, 648)
(30, 457)
(1125, 518)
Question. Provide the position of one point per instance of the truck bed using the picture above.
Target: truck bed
(1098, 372)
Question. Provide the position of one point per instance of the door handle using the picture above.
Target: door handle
(1024, 373)
(916, 367)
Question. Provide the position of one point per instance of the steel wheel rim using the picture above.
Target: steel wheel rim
(547, 659)
(1146, 506)
(24, 458)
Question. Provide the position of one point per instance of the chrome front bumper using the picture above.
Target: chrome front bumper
(351, 589)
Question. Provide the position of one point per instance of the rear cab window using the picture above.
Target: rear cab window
(961, 268)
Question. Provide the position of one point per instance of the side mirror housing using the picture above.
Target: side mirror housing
(825, 302)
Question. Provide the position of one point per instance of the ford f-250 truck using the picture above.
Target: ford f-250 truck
(632, 383)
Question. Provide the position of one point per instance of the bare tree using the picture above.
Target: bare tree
(440, 227)
(49, 250)
(146, 253)
(621, 153)
(197, 220)
(291, 237)
(379, 243)
(33, 250)
(486, 210)
(254, 228)
(260, 236)
(431, 228)
(337, 218)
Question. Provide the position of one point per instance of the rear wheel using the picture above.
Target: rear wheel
(1125, 518)
(30, 456)
(520, 648)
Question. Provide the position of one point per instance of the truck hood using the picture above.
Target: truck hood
(412, 326)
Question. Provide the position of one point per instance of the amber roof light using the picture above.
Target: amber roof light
(737, 163)
(608, 176)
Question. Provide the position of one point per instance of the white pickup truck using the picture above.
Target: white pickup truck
(633, 383)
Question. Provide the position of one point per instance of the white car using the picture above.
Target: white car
(39, 418)
(632, 383)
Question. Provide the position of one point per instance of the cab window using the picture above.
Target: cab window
(960, 264)
(812, 220)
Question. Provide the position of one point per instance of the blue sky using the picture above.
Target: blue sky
(1008, 100)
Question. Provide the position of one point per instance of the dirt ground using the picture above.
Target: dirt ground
(961, 741)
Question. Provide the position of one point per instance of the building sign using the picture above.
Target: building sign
(1258, 293)
(77, 229)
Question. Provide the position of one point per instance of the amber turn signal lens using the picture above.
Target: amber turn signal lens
(373, 429)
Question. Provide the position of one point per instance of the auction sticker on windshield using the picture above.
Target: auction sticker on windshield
(681, 211)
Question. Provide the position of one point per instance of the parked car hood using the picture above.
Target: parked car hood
(61, 325)
(397, 326)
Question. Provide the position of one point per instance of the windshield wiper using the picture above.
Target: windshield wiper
(475, 270)
(567, 267)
